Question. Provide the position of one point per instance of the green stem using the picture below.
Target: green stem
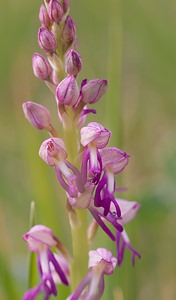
(70, 139)
(32, 270)
(80, 249)
(79, 222)
(113, 108)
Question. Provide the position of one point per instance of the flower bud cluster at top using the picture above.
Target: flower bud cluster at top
(85, 167)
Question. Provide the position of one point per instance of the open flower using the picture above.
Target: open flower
(101, 262)
(53, 267)
(53, 152)
(114, 161)
(93, 137)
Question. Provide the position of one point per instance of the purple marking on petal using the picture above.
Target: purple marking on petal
(95, 172)
(51, 288)
(103, 197)
(118, 211)
(99, 160)
(111, 218)
(102, 224)
(121, 244)
(39, 265)
(121, 189)
(73, 62)
(81, 286)
(80, 93)
(32, 293)
(85, 159)
(57, 267)
(88, 170)
(134, 253)
(93, 90)
(88, 111)
(84, 81)
(78, 178)
(61, 180)
(100, 186)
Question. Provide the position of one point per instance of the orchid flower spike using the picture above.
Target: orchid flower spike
(53, 267)
(101, 262)
(53, 152)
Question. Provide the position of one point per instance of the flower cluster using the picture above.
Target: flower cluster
(53, 266)
(84, 165)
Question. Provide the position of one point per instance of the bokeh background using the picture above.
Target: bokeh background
(132, 43)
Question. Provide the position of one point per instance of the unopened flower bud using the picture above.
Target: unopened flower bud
(43, 16)
(41, 66)
(55, 11)
(69, 31)
(37, 115)
(73, 62)
(46, 40)
(93, 90)
(67, 91)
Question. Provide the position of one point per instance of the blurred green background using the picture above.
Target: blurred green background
(132, 43)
